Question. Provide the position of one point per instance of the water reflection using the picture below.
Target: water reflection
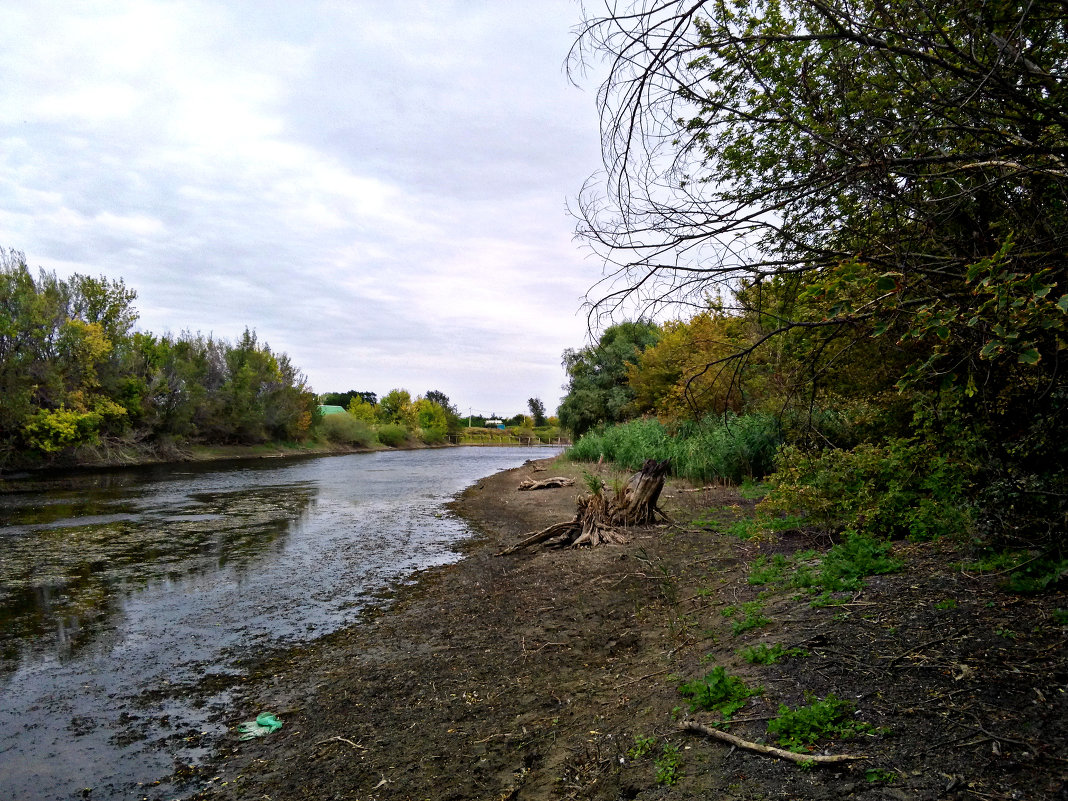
(62, 576)
(120, 592)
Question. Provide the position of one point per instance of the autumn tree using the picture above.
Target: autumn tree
(897, 165)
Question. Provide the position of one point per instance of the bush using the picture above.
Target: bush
(344, 429)
(433, 436)
(392, 435)
(900, 488)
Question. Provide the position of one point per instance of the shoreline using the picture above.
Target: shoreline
(534, 676)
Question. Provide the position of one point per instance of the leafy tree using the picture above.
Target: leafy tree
(344, 399)
(537, 411)
(597, 388)
(897, 168)
(361, 409)
(396, 407)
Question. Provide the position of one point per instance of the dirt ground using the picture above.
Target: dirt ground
(554, 674)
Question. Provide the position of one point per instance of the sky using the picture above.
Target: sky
(378, 189)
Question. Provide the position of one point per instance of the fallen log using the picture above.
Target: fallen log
(767, 750)
(546, 483)
(600, 514)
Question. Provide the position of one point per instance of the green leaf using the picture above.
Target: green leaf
(886, 283)
(1030, 356)
(1062, 304)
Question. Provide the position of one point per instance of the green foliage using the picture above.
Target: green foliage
(751, 617)
(799, 729)
(763, 655)
(718, 691)
(641, 747)
(347, 430)
(597, 389)
(855, 557)
(719, 448)
(667, 765)
(898, 489)
(537, 412)
(392, 435)
(761, 571)
(594, 483)
(880, 776)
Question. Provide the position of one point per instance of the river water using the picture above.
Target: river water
(124, 592)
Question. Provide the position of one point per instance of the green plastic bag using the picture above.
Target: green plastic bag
(263, 725)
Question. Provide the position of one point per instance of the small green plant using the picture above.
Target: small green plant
(1060, 617)
(641, 747)
(595, 484)
(763, 655)
(751, 617)
(763, 571)
(947, 603)
(798, 729)
(879, 776)
(718, 691)
(667, 765)
(855, 557)
(753, 490)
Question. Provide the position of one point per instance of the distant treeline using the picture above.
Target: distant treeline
(74, 374)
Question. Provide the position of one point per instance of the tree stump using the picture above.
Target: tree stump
(600, 514)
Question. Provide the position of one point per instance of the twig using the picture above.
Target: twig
(342, 740)
(642, 678)
(766, 750)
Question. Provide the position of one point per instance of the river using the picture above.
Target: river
(124, 592)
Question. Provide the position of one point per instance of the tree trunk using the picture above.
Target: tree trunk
(599, 515)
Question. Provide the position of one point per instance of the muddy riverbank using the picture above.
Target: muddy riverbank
(555, 675)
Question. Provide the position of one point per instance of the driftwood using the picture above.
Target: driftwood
(600, 514)
(546, 483)
(767, 750)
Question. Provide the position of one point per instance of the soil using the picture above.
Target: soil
(554, 674)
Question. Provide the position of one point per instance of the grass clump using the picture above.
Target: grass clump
(718, 691)
(799, 729)
(751, 617)
(763, 571)
(763, 655)
(852, 559)
(730, 448)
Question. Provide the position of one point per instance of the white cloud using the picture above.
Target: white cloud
(377, 188)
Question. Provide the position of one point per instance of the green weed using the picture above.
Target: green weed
(764, 572)
(641, 747)
(718, 691)
(797, 729)
(763, 655)
(667, 765)
(879, 776)
(750, 617)
(947, 603)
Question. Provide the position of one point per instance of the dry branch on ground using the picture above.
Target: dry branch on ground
(546, 483)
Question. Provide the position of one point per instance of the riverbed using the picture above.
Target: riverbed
(117, 587)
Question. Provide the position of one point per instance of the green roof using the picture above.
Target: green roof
(325, 410)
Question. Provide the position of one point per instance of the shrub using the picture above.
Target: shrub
(901, 488)
(392, 435)
(433, 436)
(345, 429)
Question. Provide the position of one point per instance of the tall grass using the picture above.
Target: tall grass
(727, 448)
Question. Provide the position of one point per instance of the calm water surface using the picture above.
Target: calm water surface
(121, 591)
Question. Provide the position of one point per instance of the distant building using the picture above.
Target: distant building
(325, 410)
(495, 423)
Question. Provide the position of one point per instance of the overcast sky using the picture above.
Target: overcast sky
(377, 188)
